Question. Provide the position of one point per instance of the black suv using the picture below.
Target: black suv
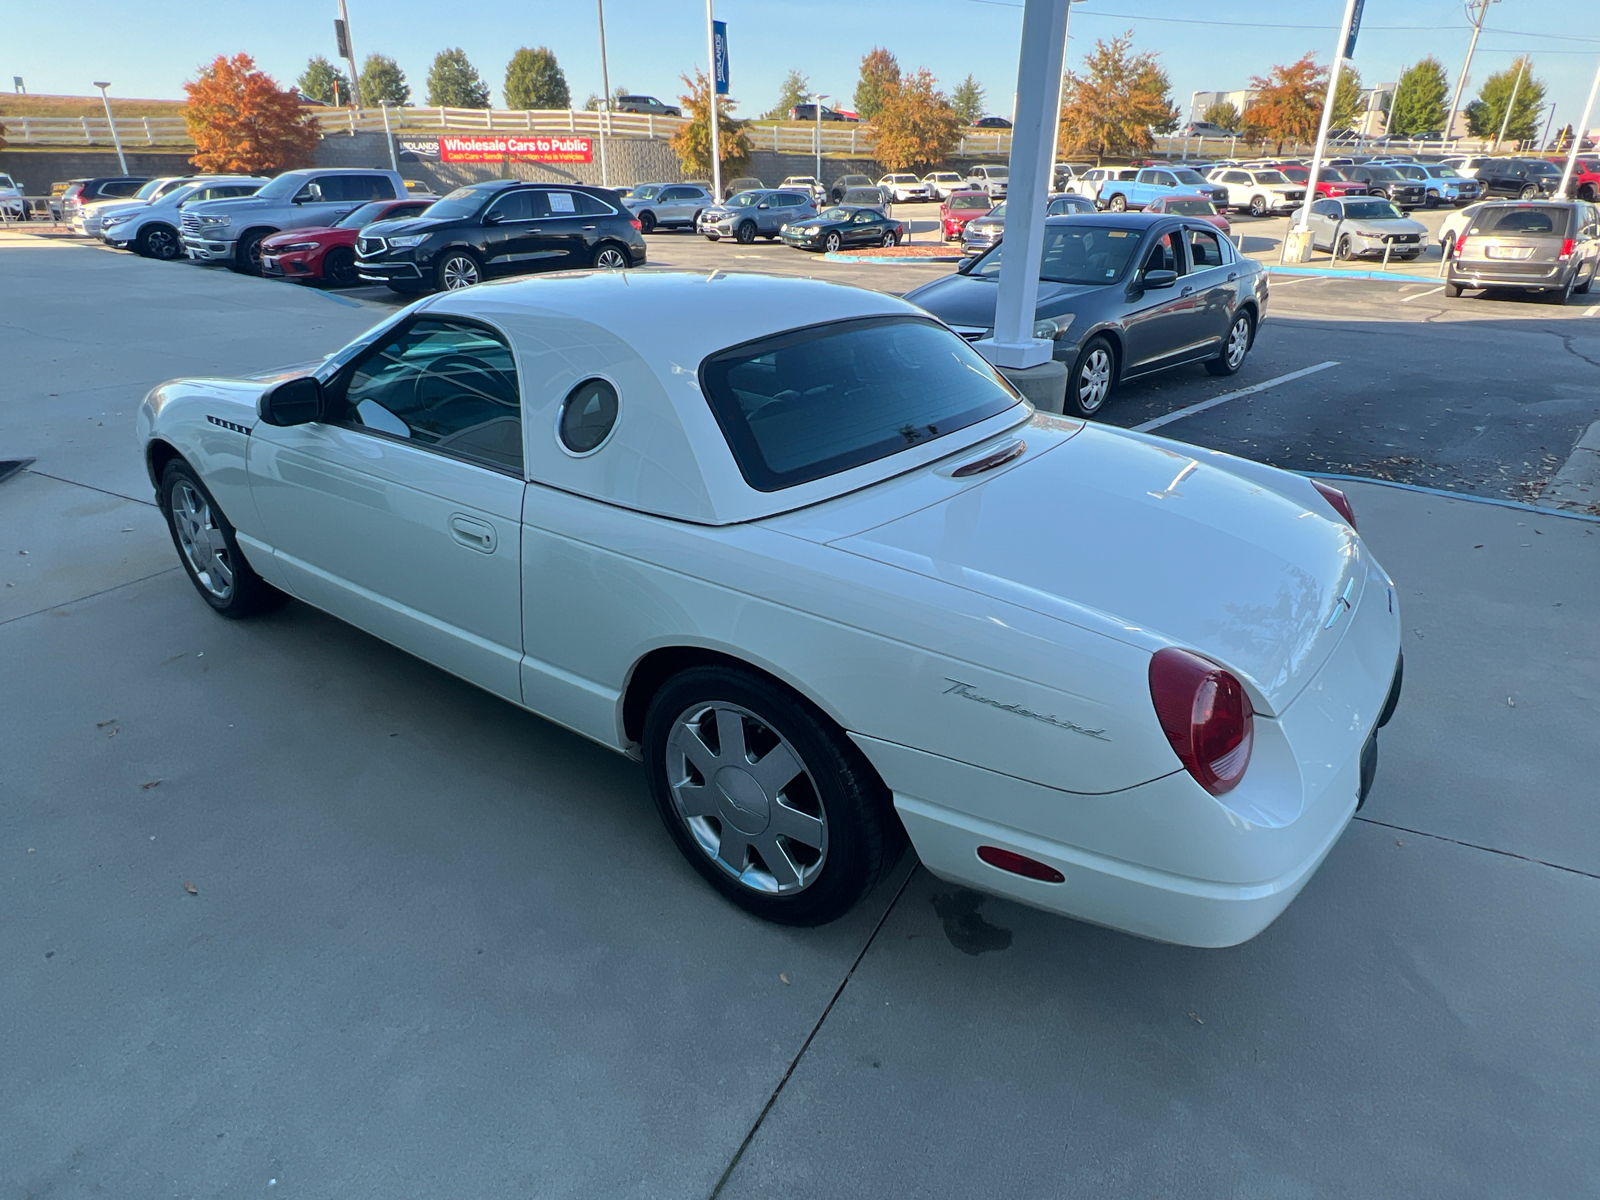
(1387, 182)
(1522, 178)
(503, 227)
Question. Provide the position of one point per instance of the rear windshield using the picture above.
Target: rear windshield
(814, 402)
(1523, 221)
(1191, 208)
(1079, 253)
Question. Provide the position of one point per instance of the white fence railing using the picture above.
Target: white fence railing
(500, 120)
(94, 131)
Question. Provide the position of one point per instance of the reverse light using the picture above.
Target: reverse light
(1206, 715)
(1341, 502)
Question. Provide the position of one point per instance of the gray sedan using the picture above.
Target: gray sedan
(1120, 296)
(755, 214)
(1365, 226)
(983, 232)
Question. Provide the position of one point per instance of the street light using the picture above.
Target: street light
(115, 140)
(604, 123)
(819, 99)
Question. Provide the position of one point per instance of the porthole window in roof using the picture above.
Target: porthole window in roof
(588, 416)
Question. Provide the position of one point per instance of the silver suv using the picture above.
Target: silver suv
(751, 214)
(991, 180)
(668, 205)
(230, 231)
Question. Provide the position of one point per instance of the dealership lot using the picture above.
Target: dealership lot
(436, 946)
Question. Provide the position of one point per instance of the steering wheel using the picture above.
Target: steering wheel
(457, 377)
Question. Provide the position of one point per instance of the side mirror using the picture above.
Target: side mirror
(1159, 279)
(292, 402)
(763, 206)
(964, 267)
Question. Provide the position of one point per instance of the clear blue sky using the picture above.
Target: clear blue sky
(148, 49)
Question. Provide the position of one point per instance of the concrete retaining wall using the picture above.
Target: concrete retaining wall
(36, 170)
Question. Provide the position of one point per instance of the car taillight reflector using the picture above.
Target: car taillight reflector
(1566, 249)
(1020, 864)
(637, 224)
(1206, 715)
(1341, 502)
(1461, 245)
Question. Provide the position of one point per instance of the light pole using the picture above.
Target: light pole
(115, 140)
(1510, 104)
(1300, 235)
(349, 49)
(1577, 136)
(711, 106)
(1461, 80)
(605, 99)
(818, 114)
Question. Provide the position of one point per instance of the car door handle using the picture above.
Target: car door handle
(1233, 276)
(476, 534)
(1186, 291)
(591, 227)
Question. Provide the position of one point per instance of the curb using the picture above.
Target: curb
(1337, 273)
(890, 262)
(1577, 484)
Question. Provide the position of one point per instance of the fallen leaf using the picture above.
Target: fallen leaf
(1511, 702)
(785, 978)
(1479, 546)
(114, 730)
(151, 784)
(190, 888)
(1398, 842)
(103, 724)
(31, 850)
(127, 529)
(1195, 1017)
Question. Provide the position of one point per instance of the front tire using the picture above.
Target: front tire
(746, 233)
(457, 269)
(247, 254)
(1235, 347)
(159, 242)
(647, 222)
(769, 802)
(832, 242)
(208, 549)
(339, 267)
(1092, 376)
(1343, 249)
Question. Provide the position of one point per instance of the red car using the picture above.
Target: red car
(1331, 181)
(328, 254)
(960, 208)
(1190, 206)
(1585, 176)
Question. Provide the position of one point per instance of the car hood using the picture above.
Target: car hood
(299, 235)
(964, 301)
(406, 225)
(1157, 542)
(235, 204)
(1378, 229)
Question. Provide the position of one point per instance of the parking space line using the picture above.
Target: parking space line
(1419, 295)
(1591, 310)
(1216, 400)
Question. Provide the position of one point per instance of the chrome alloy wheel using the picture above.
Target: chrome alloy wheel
(203, 543)
(611, 259)
(458, 272)
(1094, 381)
(1238, 342)
(746, 798)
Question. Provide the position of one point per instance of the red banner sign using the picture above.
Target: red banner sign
(530, 148)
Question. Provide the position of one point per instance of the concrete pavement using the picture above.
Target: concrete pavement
(438, 947)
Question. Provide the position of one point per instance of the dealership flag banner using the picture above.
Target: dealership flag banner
(719, 42)
(556, 148)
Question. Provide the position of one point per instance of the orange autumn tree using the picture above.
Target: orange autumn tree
(1286, 106)
(241, 121)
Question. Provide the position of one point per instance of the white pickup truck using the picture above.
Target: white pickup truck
(230, 231)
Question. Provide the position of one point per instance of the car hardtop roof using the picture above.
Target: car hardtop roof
(503, 184)
(667, 456)
(1127, 220)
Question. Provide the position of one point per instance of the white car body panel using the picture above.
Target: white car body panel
(992, 669)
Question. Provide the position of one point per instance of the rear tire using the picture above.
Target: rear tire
(1560, 295)
(1118, 204)
(1529, 192)
(830, 796)
(889, 239)
(1453, 290)
(1235, 347)
(610, 258)
(1583, 288)
(208, 549)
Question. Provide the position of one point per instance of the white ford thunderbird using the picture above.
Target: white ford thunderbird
(802, 551)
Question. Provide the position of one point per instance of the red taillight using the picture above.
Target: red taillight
(1566, 249)
(1020, 864)
(1206, 715)
(637, 224)
(1341, 502)
(1461, 245)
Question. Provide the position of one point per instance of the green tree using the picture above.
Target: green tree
(692, 141)
(917, 126)
(1419, 99)
(967, 100)
(880, 71)
(383, 80)
(453, 82)
(535, 80)
(1111, 107)
(1486, 112)
(318, 80)
(1224, 116)
(796, 89)
(1348, 104)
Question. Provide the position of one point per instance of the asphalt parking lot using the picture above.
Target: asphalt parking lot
(436, 946)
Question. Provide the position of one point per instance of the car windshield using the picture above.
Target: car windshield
(1372, 210)
(151, 188)
(1296, 174)
(835, 214)
(363, 216)
(999, 210)
(284, 187)
(1410, 172)
(463, 202)
(1525, 220)
(1384, 174)
(969, 200)
(866, 196)
(1271, 177)
(1443, 172)
(999, 172)
(1191, 208)
(812, 403)
(1189, 177)
(745, 200)
(1080, 253)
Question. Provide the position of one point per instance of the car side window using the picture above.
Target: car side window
(789, 200)
(1205, 249)
(1166, 180)
(1148, 177)
(357, 187)
(513, 206)
(441, 384)
(1164, 255)
(591, 206)
(863, 218)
